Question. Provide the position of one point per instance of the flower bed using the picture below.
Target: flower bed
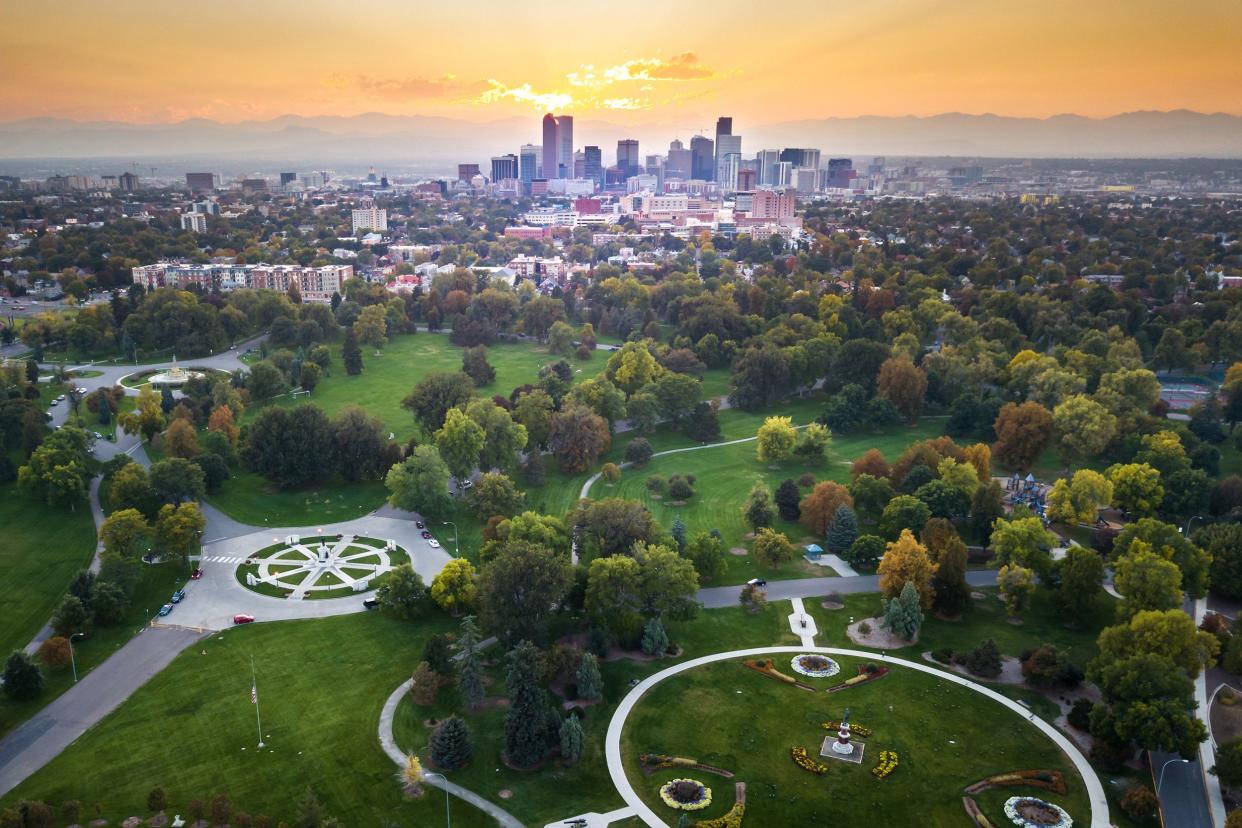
(856, 729)
(866, 672)
(733, 819)
(800, 757)
(814, 666)
(652, 762)
(976, 816)
(686, 794)
(1029, 812)
(766, 667)
(1048, 780)
(887, 764)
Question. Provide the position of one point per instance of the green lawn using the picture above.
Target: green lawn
(43, 548)
(946, 737)
(322, 683)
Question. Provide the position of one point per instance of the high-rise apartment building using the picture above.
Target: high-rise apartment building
(765, 167)
(724, 127)
(702, 158)
(200, 181)
(627, 157)
(194, 222)
(728, 160)
(504, 167)
(528, 163)
(565, 147)
(840, 173)
(550, 146)
(680, 161)
(127, 182)
(287, 177)
(370, 218)
(466, 172)
(593, 165)
(801, 157)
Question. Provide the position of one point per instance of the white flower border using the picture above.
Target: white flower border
(833, 667)
(1011, 811)
(668, 800)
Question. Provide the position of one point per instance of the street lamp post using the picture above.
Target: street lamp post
(73, 659)
(448, 817)
(1186, 531)
(1160, 778)
(456, 547)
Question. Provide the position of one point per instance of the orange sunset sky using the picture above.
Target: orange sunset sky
(626, 61)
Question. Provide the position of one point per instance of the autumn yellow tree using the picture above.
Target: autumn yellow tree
(821, 504)
(180, 439)
(222, 420)
(906, 561)
(980, 456)
(775, 439)
(904, 385)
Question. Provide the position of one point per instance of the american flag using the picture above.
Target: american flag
(254, 694)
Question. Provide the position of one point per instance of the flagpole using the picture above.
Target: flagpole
(254, 695)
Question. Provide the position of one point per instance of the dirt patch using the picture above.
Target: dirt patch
(1226, 719)
(879, 638)
(738, 551)
(505, 793)
(1064, 699)
(832, 605)
(677, 503)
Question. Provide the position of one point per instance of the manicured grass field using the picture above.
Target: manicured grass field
(322, 684)
(946, 738)
(42, 547)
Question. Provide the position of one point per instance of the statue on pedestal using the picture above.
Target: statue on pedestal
(842, 745)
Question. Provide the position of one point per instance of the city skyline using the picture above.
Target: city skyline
(795, 60)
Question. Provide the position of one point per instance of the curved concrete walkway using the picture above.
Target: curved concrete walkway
(616, 768)
(389, 744)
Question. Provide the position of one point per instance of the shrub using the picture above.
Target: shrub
(450, 744)
(55, 653)
(943, 655)
(656, 485)
(1140, 802)
(1079, 715)
(807, 480)
(638, 451)
(611, 472)
(681, 488)
(864, 628)
(984, 660)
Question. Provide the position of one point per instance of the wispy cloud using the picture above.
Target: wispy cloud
(414, 88)
(525, 94)
(634, 84)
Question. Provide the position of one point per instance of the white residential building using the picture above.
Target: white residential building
(370, 218)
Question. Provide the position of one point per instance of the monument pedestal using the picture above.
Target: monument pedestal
(829, 750)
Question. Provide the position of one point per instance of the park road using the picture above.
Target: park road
(728, 596)
(41, 738)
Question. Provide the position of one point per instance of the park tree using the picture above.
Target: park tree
(178, 529)
(359, 444)
(180, 439)
(58, 471)
(812, 443)
(775, 439)
(560, 338)
(1083, 428)
(469, 668)
(676, 396)
(632, 367)
(578, 436)
(351, 353)
(948, 551)
(450, 744)
(495, 494)
(1137, 490)
(589, 683)
(533, 410)
(1081, 575)
(1223, 544)
(703, 424)
(820, 506)
(612, 526)
(679, 532)
(638, 452)
(866, 551)
(1168, 633)
(526, 719)
(1080, 499)
(655, 639)
(131, 489)
(434, 396)
(147, 418)
(872, 463)
(902, 615)
(669, 582)
(1016, 584)
(531, 527)
(761, 376)
(264, 381)
(518, 589)
(614, 594)
(175, 480)
(788, 497)
(420, 483)
(903, 513)
(222, 421)
(23, 680)
(842, 530)
(459, 441)
(706, 552)
(403, 595)
(71, 616)
(1146, 581)
(1228, 767)
(987, 506)
(556, 378)
(906, 561)
(453, 587)
(55, 653)
(503, 437)
(1025, 542)
(474, 364)
(904, 385)
(772, 548)
(291, 447)
(871, 494)
(572, 739)
(122, 531)
(1023, 431)
(371, 327)
(1167, 540)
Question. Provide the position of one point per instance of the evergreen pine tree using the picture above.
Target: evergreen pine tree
(571, 739)
(351, 353)
(590, 683)
(788, 499)
(526, 737)
(533, 469)
(450, 744)
(952, 592)
(678, 531)
(167, 401)
(902, 615)
(469, 671)
(436, 653)
(655, 639)
(842, 530)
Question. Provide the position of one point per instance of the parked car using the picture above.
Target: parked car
(425, 534)
(55, 402)
(757, 582)
(196, 574)
(433, 543)
(467, 484)
(164, 610)
(420, 524)
(243, 619)
(178, 596)
(370, 603)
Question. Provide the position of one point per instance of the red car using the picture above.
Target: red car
(243, 619)
(196, 574)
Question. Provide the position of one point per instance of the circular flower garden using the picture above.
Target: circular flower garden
(814, 666)
(686, 794)
(1031, 812)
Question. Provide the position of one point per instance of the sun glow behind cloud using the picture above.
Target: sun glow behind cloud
(640, 78)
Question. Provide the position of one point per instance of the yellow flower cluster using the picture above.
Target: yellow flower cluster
(856, 729)
(887, 764)
(705, 796)
(733, 819)
(806, 762)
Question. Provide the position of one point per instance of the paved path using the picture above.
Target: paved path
(727, 596)
(616, 767)
(389, 745)
(801, 624)
(42, 737)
